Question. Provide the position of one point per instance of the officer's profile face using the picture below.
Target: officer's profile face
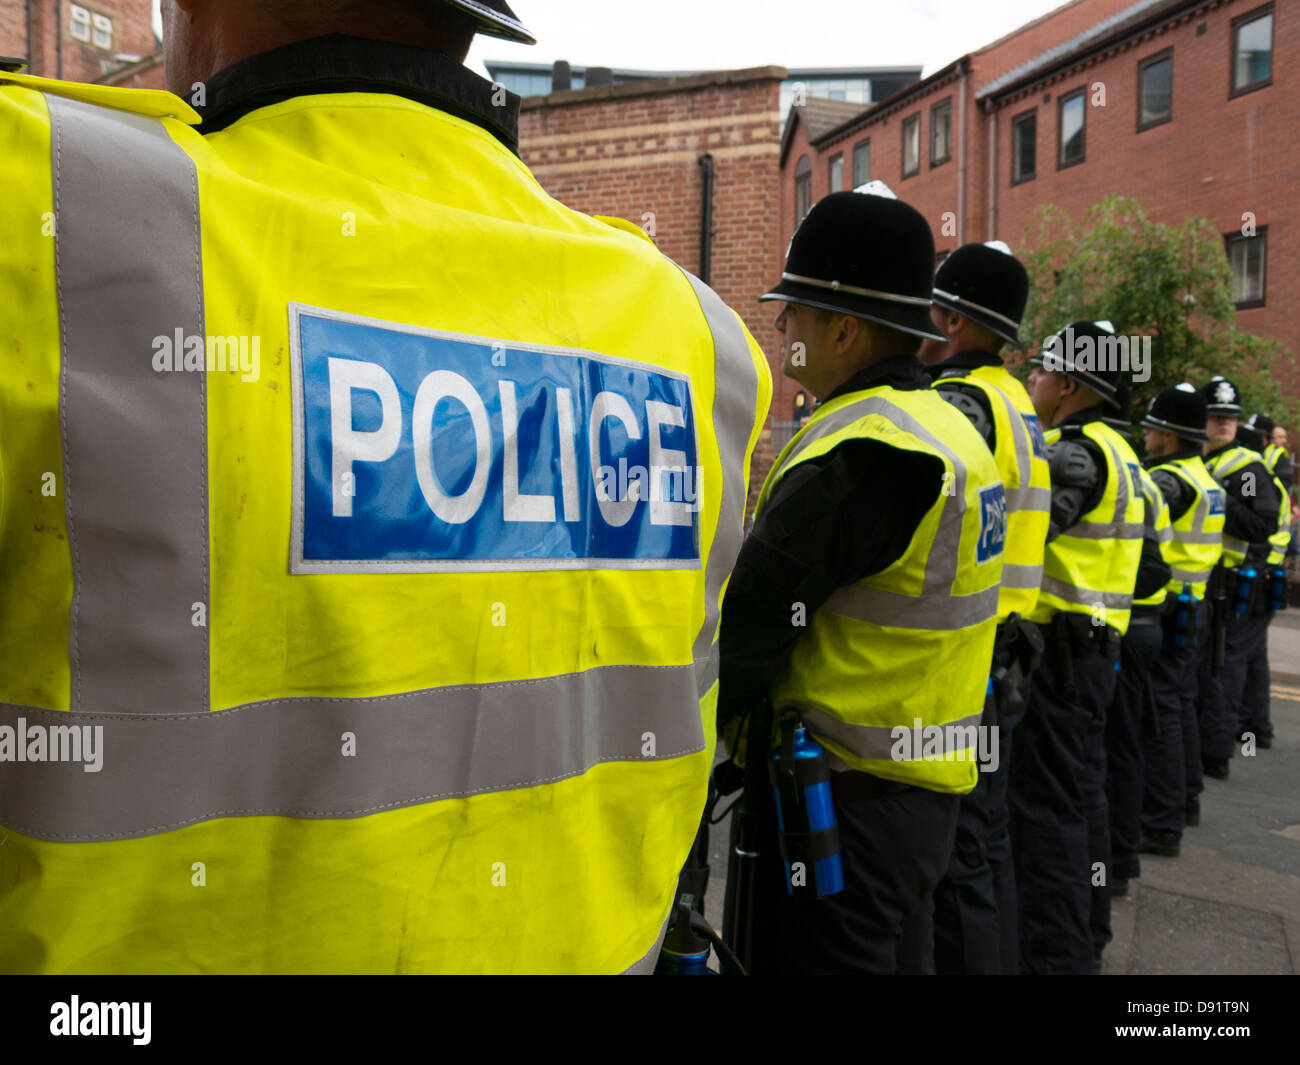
(803, 330)
(1279, 436)
(1221, 429)
(1046, 389)
(1159, 442)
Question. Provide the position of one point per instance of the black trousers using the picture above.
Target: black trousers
(894, 849)
(1249, 712)
(1172, 743)
(1059, 826)
(975, 927)
(1212, 701)
(1124, 749)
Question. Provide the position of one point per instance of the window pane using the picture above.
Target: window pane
(941, 133)
(1247, 256)
(1254, 52)
(80, 23)
(1072, 129)
(912, 145)
(802, 189)
(1024, 153)
(1157, 91)
(837, 174)
(862, 164)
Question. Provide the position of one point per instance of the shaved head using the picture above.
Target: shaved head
(204, 36)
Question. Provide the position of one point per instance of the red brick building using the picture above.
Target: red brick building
(693, 160)
(108, 41)
(1189, 106)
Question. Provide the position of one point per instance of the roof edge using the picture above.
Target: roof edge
(654, 87)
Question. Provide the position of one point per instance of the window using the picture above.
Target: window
(1156, 90)
(1071, 129)
(837, 173)
(80, 27)
(1248, 256)
(1024, 147)
(941, 133)
(861, 164)
(1252, 51)
(802, 189)
(103, 31)
(912, 146)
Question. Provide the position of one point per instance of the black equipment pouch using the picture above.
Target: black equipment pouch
(1217, 591)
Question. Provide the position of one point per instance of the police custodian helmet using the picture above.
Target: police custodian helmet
(869, 256)
(495, 19)
(1222, 398)
(986, 285)
(1073, 352)
(1179, 410)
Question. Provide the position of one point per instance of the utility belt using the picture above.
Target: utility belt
(1069, 636)
(1017, 651)
(1182, 619)
(1254, 588)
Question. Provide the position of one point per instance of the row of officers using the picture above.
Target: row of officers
(942, 553)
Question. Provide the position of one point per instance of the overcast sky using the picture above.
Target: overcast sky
(730, 34)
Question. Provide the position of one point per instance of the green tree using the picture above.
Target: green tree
(1172, 283)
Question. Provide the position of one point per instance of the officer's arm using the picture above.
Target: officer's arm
(1178, 494)
(1078, 483)
(1153, 571)
(1285, 470)
(830, 521)
(1252, 504)
(974, 404)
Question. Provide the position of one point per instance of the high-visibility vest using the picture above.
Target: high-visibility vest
(1281, 539)
(1163, 530)
(1020, 454)
(1222, 465)
(392, 665)
(1091, 568)
(902, 657)
(1273, 454)
(1198, 533)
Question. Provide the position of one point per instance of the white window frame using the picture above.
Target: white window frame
(102, 33)
(79, 23)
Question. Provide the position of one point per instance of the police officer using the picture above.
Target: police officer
(380, 650)
(1253, 505)
(1276, 456)
(1251, 717)
(980, 292)
(866, 594)
(1059, 831)
(1174, 434)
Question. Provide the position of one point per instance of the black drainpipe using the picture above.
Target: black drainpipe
(706, 217)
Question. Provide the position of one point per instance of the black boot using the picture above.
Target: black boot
(1165, 844)
(1193, 811)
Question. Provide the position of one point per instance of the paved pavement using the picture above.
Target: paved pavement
(1230, 903)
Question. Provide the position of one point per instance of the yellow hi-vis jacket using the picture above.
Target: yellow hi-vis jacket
(1158, 510)
(895, 667)
(361, 648)
(1198, 533)
(1091, 568)
(1019, 452)
(1223, 464)
(1281, 539)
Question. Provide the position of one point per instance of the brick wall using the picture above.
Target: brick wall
(633, 151)
(51, 50)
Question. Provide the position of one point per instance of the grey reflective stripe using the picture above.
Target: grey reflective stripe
(1191, 576)
(1199, 538)
(284, 758)
(875, 741)
(129, 269)
(1165, 535)
(943, 613)
(1231, 543)
(1024, 449)
(1028, 577)
(735, 405)
(1105, 530)
(1039, 499)
(1085, 596)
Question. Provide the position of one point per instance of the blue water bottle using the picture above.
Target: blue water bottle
(1245, 591)
(805, 814)
(685, 952)
(1185, 618)
(1277, 588)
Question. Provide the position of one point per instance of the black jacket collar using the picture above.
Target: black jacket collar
(904, 372)
(963, 360)
(355, 64)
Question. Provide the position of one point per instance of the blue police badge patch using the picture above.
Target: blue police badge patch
(1217, 501)
(993, 522)
(422, 451)
(1036, 435)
